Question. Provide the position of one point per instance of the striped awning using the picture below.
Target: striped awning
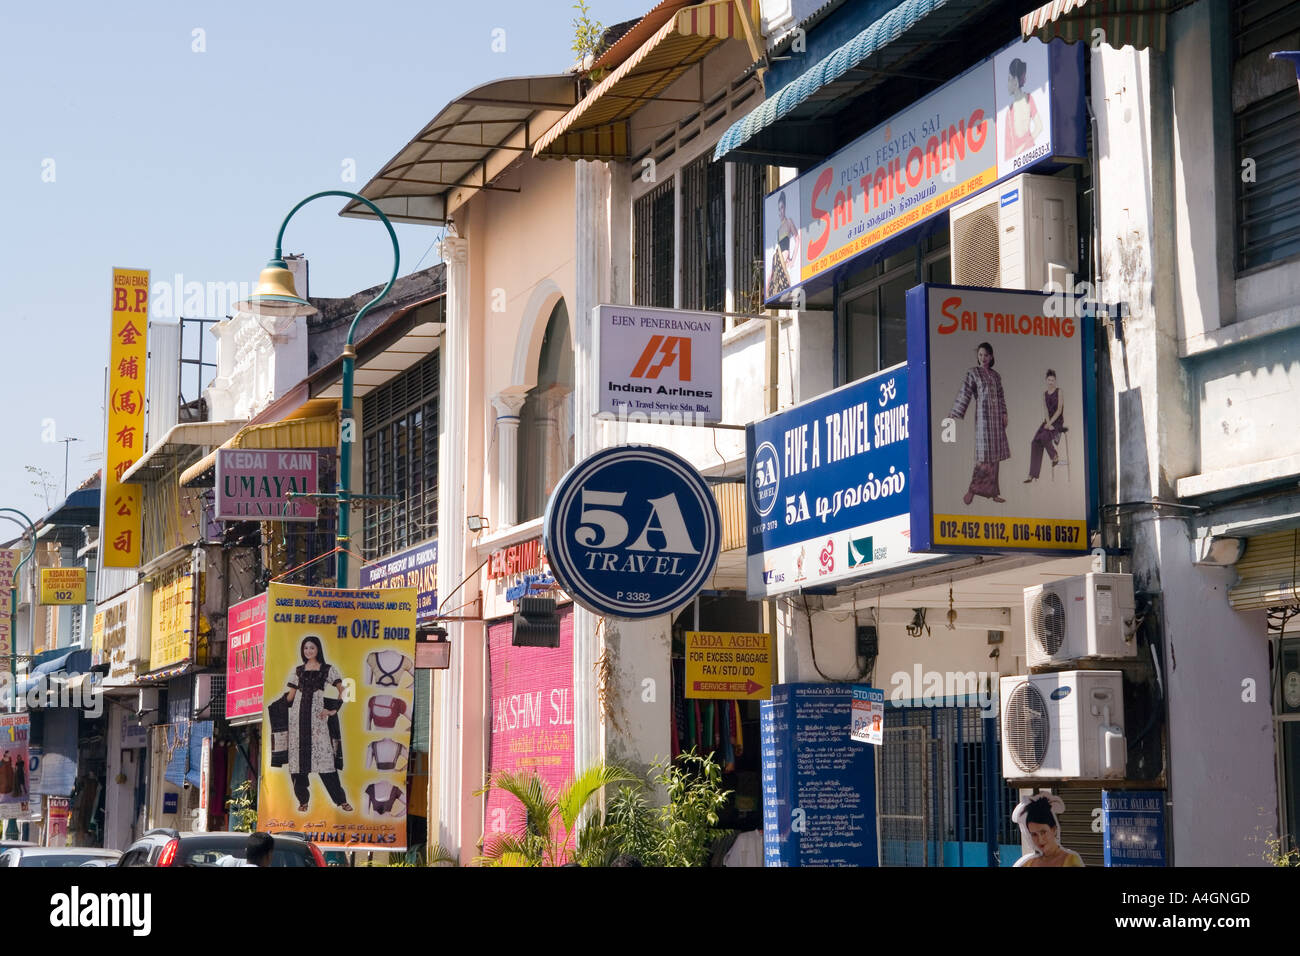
(597, 127)
(1138, 23)
(318, 432)
(1269, 572)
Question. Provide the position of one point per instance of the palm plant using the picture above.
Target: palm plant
(552, 821)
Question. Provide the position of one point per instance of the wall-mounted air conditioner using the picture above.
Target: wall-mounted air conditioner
(1020, 234)
(1063, 726)
(1087, 617)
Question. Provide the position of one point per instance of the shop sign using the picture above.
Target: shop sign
(532, 720)
(1019, 108)
(415, 567)
(127, 359)
(819, 787)
(9, 558)
(433, 655)
(1002, 396)
(828, 487)
(632, 532)
(116, 633)
(255, 484)
(868, 716)
(245, 644)
(1134, 825)
(515, 559)
(728, 666)
(200, 823)
(663, 365)
(15, 779)
(172, 617)
(359, 703)
(63, 585)
(57, 812)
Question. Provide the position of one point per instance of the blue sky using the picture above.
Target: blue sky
(122, 145)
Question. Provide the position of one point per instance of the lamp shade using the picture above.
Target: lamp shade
(276, 295)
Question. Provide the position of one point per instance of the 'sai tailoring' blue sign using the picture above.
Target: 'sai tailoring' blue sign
(829, 487)
(632, 532)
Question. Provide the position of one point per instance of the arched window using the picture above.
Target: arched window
(546, 420)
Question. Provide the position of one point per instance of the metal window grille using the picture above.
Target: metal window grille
(652, 249)
(399, 426)
(748, 185)
(704, 255)
(1266, 129)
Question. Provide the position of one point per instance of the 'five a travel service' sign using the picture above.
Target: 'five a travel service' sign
(255, 484)
(659, 365)
(828, 487)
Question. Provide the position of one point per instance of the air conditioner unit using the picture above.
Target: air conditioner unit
(1020, 234)
(1088, 617)
(1063, 726)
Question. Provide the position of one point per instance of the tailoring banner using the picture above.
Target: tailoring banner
(245, 646)
(9, 558)
(1014, 110)
(15, 781)
(63, 585)
(336, 731)
(1002, 397)
(127, 358)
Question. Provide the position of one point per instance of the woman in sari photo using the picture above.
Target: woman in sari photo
(984, 386)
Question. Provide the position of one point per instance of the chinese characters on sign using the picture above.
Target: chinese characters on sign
(127, 356)
(9, 558)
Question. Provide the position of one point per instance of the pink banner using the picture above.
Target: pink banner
(245, 643)
(255, 485)
(532, 717)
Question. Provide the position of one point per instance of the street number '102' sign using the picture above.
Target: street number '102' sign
(632, 532)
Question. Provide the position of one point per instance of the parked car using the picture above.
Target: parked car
(58, 856)
(164, 847)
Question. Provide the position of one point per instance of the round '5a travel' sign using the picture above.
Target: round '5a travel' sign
(632, 532)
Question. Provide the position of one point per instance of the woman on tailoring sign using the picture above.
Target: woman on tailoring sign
(309, 714)
(983, 386)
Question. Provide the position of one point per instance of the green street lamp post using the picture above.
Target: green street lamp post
(277, 297)
(13, 596)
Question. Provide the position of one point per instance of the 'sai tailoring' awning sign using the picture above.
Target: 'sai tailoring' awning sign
(632, 532)
(828, 487)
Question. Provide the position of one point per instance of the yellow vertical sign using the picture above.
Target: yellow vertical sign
(127, 357)
(9, 558)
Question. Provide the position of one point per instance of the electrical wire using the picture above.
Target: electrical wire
(812, 644)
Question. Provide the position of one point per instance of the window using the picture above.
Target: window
(873, 312)
(546, 421)
(400, 434)
(704, 231)
(749, 183)
(1266, 121)
(652, 250)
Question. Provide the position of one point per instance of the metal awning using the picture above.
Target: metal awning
(1137, 23)
(469, 143)
(177, 444)
(597, 128)
(321, 431)
(1268, 574)
(383, 356)
(77, 510)
(796, 124)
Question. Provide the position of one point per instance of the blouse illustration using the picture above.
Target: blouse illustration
(386, 668)
(384, 712)
(385, 754)
(383, 805)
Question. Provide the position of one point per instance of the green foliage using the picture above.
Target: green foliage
(1274, 855)
(242, 807)
(682, 832)
(587, 33)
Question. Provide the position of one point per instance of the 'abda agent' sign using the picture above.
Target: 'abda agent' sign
(660, 365)
(415, 567)
(1019, 108)
(254, 485)
(828, 487)
(632, 532)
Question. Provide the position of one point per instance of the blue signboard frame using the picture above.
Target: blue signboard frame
(921, 462)
(625, 492)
